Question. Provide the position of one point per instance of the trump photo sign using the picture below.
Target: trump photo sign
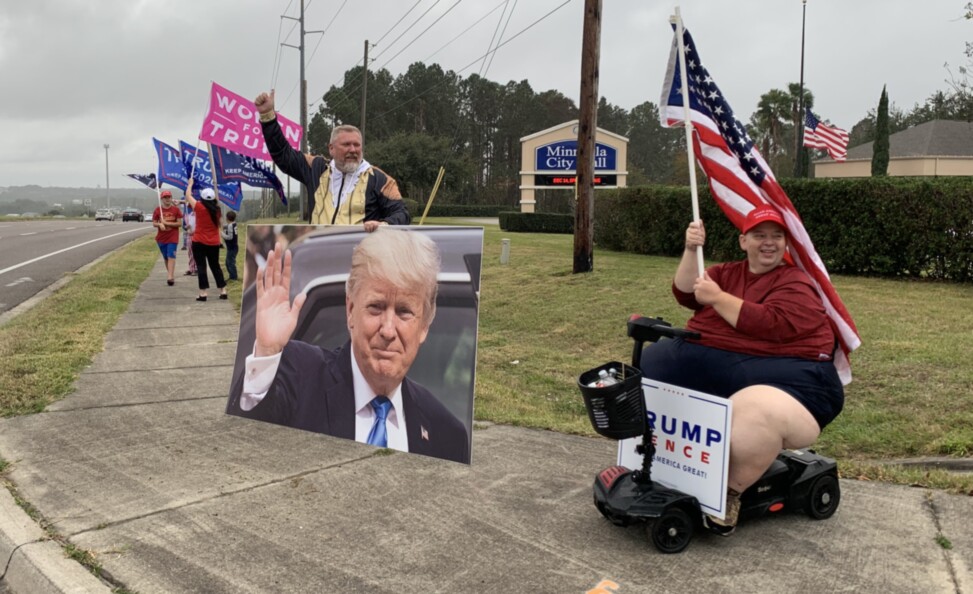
(691, 432)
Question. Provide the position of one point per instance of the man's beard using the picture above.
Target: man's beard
(348, 167)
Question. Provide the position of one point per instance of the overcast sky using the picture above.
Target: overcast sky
(77, 75)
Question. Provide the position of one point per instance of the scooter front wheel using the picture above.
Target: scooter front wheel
(672, 532)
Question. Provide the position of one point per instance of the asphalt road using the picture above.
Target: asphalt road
(36, 254)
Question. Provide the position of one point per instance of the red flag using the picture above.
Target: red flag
(825, 137)
(740, 179)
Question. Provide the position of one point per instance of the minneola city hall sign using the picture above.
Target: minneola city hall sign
(548, 160)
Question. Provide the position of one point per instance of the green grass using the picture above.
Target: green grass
(43, 350)
(541, 326)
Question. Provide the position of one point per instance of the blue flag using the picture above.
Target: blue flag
(231, 166)
(147, 179)
(229, 192)
(171, 168)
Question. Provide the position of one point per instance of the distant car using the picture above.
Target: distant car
(104, 214)
(132, 214)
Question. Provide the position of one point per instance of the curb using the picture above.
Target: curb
(33, 563)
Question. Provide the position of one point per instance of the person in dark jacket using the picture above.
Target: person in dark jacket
(347, 190)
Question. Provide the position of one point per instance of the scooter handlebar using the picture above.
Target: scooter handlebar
(644, 329)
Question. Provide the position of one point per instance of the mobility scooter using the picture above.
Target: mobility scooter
(796, 481)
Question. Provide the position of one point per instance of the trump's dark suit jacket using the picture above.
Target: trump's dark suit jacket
(314, 391)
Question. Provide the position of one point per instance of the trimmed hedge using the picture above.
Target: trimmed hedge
(534, 222)
(462, 210)
(890, 227)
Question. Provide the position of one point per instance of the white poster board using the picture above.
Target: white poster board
(692, 438)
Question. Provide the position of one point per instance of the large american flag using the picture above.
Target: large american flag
(825, 137)
(740, 179)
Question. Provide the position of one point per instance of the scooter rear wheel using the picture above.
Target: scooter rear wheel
(672, 532)
(823, 498)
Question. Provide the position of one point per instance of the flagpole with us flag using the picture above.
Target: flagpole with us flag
(821, 136)
(739, 178)
(688, 124)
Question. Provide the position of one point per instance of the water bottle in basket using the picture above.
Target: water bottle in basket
(613, 397)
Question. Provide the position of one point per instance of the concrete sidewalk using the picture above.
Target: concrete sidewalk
(141, 467)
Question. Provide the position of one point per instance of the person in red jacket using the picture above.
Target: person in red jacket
(766, 343)
(166, 219)
(206, 239)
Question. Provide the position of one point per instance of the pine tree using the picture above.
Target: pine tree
(880, 148)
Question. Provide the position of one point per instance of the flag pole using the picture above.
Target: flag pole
(690, 151)
(216, 182)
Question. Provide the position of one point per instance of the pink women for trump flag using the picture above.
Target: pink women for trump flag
(741, 180)
(232, 122)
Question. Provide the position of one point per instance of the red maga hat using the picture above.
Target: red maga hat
(761, 214)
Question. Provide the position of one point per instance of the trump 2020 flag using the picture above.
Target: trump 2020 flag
(147, 179)
(231, 194)
(171, 168)
(231, 166)
(740, 179)
(233, 122)
(822, 136)
(197, 161)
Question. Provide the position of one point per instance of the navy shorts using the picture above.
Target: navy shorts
(168, 250)
(815, 384)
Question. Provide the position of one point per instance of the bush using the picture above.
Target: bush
(533, 222)
(413, 207)
(891, 227)
(463, 210)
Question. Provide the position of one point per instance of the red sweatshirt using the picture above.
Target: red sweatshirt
(782, 315)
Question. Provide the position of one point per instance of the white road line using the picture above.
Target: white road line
(26, 234)
(16, 266)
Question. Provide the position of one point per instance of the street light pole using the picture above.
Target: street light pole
(799, 170)
(107, 194)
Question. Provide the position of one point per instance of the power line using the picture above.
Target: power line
(492, 10)
(419, 36)
(510, 14)
(358, 78)
(384, 35)
(277, 52)
(325, 32)
(494, 37)
(402, 18)
(320, 39)
(463, 69)
(409, 28)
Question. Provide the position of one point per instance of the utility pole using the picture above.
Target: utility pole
(300, 47)
(587, 126)
(799, 121)
(364, 89)
(107, 189)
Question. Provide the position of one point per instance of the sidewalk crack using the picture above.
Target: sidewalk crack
(942, 541)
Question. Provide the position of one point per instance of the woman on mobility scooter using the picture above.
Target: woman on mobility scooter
(766, 343)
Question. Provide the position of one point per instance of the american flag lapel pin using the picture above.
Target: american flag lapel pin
(423, 433)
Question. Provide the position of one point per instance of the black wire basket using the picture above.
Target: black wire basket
(616, 411)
